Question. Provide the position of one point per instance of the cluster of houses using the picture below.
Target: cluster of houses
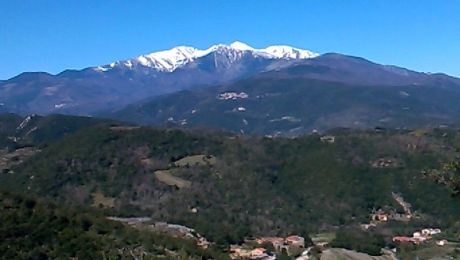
(327, 139)
(232, 95)
(384, 215)
(384, 163)
(420, 237)
(381, 216)
(239, 252)
(291, 245)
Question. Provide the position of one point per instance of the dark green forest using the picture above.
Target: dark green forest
(35, 229)
(256, 186)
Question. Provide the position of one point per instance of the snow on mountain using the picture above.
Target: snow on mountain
(241, 46)
(170, 60)
(288, 52)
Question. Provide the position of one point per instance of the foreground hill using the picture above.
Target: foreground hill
(36, 229)
(230, 187)
(34, 130)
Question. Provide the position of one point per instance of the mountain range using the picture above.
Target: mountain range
(86, 91)
(328, 91)
(278, 90)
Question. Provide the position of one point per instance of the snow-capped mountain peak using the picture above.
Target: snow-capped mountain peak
(172, 59)
(288, 52)
(169, 60)
(241, 46)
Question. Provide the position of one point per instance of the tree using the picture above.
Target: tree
(448, 175)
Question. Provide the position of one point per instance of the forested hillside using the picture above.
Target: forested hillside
(36, 229)
(34, 130)
(231, 187)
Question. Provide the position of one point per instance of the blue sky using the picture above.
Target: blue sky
(45, 35)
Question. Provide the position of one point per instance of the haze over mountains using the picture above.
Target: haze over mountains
(278, 90)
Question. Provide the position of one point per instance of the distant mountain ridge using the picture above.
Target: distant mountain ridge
(329, 91)
(86, 91)
(359, 71)
(277, 90)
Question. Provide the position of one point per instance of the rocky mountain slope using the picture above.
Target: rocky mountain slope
(18, 131)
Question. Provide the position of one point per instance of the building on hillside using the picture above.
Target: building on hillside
(417, 234)
(238, 252)
(328, 139)
(276, 242)
(295, 241)
(379, 216)
(418, 238)
(292, 245)
(258, 253)
(414, 240)
(441, 242)
(368, 226)
(401, 239)
(232, 95)
(384, 163)
(431, 231)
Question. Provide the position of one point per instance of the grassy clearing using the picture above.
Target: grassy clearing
(167, 178)
(430, 251)
(8, 158)
(124, 128)
(201, 160)
(344, 254)
(323, 237)
(100, 200)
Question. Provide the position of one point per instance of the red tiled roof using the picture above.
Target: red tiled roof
(402, 239)
(294, 238)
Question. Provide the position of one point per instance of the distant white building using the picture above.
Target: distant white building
(431, 231)
(328, 139)
(441, 242)
(232, 95)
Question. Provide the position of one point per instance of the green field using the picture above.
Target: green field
(166, 177)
